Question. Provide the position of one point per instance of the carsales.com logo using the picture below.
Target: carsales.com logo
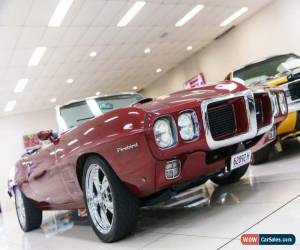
(268, 239)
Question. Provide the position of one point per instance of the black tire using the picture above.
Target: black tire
(262, 155)
(32, 215)
(230, 177)
(125, 204)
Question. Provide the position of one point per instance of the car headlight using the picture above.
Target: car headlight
(164, 132)
(188, 125)
(275, 104)
(282, 103)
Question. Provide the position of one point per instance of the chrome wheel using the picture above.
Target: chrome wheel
(99, 198)
(20, 207)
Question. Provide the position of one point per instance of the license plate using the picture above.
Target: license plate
(240, 159)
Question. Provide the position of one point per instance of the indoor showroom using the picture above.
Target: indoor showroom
(149, 124)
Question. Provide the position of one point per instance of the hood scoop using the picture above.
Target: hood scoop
(145, 100)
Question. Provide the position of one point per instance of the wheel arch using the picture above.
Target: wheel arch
(79, 170)
(80, 164)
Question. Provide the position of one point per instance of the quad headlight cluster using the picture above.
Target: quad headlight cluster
(164, 132)
(165, 129)
(279, 104)
(188, 125)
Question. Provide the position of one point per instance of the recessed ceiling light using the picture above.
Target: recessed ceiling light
(53, 100)
(21, 85)
(70, 80)
(98, 93)
(147, 51)
(37, 56)
(10, 106)
(158, 70)
(235, 15)
(135, 87)
(189, 47)
(189, 15)
(131, 13)
(59, 13)
(93, 54)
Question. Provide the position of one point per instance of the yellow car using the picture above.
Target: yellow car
(283, 72)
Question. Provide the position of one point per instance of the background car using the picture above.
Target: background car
(282, 72)
(116, 153)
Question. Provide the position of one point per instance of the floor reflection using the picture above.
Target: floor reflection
(60, 222)
(204, 196)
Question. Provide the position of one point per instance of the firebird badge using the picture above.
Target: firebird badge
(127, 147)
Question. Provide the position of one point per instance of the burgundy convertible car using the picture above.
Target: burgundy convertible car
(116, 153)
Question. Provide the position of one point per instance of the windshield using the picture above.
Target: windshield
(74, 114)
(262, 71)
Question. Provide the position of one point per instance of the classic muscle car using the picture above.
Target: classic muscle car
(116, 153)
(281, 72)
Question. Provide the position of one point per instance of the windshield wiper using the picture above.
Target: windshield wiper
(85, 118)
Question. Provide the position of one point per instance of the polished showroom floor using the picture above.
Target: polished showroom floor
(267, 200)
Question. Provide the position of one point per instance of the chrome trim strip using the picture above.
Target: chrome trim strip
(61, 126)
(251, 114)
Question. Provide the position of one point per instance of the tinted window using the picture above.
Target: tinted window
(267, 69)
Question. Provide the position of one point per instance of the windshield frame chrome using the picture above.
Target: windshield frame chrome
(62, 128)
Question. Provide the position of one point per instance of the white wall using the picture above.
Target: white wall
(273, 30)
(12, 129)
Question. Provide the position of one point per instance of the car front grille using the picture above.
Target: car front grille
(294, 90)
(263, 108)
(259, 111)
(221, 121)
(229, 119)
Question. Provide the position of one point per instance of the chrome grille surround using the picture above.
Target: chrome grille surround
(251, 115)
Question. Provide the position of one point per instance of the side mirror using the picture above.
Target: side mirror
(48, 135)
(44, 135)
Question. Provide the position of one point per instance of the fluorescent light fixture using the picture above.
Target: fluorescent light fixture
(132, 12)
(158, 70)
(59, 13)
(70, 80)
(147, 51)
(96, 111)
(36, 56)
(135, 87)
(10, 106)
(189, 48)
(93, 54)
(189, 15)
(53, 100)
(235, 15)
(98, 93)
(21, 85)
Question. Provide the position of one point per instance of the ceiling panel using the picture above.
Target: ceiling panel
(91, 25)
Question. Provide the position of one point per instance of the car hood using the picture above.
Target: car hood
(191, 96)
